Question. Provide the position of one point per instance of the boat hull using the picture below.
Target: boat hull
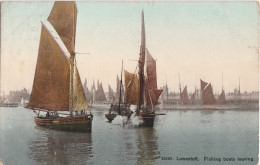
(147, 119)
(110, 117)
(72, 124)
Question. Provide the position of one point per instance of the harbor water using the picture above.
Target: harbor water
(178, 137)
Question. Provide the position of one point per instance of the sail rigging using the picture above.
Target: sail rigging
(79, 98)
(141, 63)
(153, 93)
(50, 89)
(63, 18)
(57, 85)
(148, 92)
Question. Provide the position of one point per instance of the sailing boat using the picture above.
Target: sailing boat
(141, 90)
(207, 93)
(122, 108)
(57, 85)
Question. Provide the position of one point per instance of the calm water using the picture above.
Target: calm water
(200, 134)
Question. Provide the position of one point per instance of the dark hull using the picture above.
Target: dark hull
(148, 118)
(110, 117)
(72, 124)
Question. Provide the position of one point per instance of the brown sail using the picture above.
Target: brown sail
(152, 93)
(63, 18)
(222, 98)
(151, 70)
(207, 95)
(131, 88)
(203, 84)
(152, 96)
(184, 96)
(79, 98)
(50, 89)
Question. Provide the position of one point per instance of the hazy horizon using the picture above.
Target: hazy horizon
(196, 40)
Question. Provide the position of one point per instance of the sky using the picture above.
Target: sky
(193, 40)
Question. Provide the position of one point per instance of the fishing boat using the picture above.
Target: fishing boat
(141, 89)
(57, 95)
(119, 105)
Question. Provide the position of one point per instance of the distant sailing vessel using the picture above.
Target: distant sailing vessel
(100, 94)
(184, 96)
(222, 98)
(141, 90)
(207, 95)
(96, 98)
(57, 85)
(111, 96)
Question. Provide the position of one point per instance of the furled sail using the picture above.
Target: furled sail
(79, 98)
(50, 89)
(207, 94)
(222, 98)
(100, 94)
(131, 88)
(63, 18)
(184, 96)
(152, 93)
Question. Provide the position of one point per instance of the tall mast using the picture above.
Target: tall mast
(222, 81)
(72, 61)
(180, 84)
(120, 89)
(141, 65)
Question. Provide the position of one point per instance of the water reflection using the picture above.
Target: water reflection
(57, 147)
(147, 147)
